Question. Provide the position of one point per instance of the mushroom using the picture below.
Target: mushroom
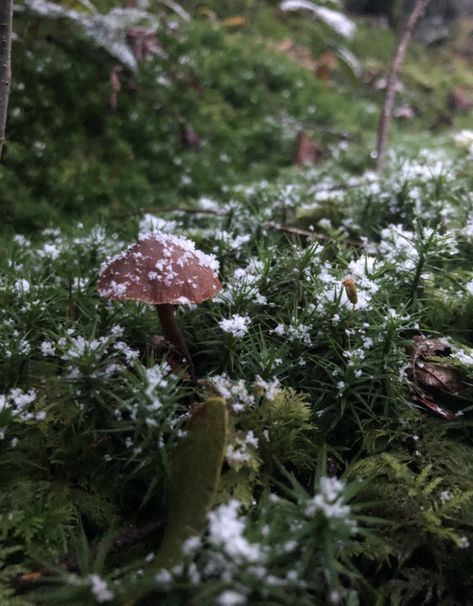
(163, 270)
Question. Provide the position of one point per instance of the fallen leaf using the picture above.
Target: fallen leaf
(434, 407)
(437, 384)
(434, 375)
(425, 346)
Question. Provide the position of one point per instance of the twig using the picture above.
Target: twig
(6, 16)
(296, 231)
(394, 70)
(194, 211)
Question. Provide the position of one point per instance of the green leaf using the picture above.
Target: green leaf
(195, 476)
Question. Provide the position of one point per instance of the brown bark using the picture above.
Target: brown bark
(394, 70)
(6, 16)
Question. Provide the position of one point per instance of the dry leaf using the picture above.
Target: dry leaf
(436, 382)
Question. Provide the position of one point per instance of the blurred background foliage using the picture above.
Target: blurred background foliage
(219, 100)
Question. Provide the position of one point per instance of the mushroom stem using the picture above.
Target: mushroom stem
(172, 331)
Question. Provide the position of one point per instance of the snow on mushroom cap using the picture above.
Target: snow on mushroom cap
(160, 269)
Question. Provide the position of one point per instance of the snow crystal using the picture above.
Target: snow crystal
(191, 545)
(208, 204)
(235, 392)
(231, 598)
(21, 286)
(129, 353)
(226, 530)
(50, 251)
(270, 388)
(79, 346)
(163, 577)
(151, 223)
(100, 589)
(464, 138)
(17, 403)
(117, 330)
(171, 242)
(445, 496)
(329, 501)
(469, 287)
(463, 543)
(47, 348)
(462, 356)
(234, 242)
(21, 240)
(244, 284)
(240, 451)
(279, 330)
(237, 325)
(156, 376)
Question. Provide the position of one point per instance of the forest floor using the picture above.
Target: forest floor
(327, 419)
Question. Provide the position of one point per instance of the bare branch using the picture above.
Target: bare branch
(306, 233)
(6, 15)
(394, 70)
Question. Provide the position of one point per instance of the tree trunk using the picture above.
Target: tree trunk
(6, 16)
(394, 70)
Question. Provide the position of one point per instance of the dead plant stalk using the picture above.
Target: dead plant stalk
(393, 76)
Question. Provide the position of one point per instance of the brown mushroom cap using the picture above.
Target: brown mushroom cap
(161, 269)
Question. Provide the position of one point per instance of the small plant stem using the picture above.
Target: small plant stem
(417, 275)
(6, 17)
(172, 332)
(393, 75)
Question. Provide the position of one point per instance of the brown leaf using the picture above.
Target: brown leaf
(436, 383)
(325, 65)
(308, 151)
(424, 346)
(434, 407)
(434, 375)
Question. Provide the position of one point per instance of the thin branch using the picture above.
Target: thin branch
(306, 233)
(6, 16)
(394, 70)
(192, 211)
